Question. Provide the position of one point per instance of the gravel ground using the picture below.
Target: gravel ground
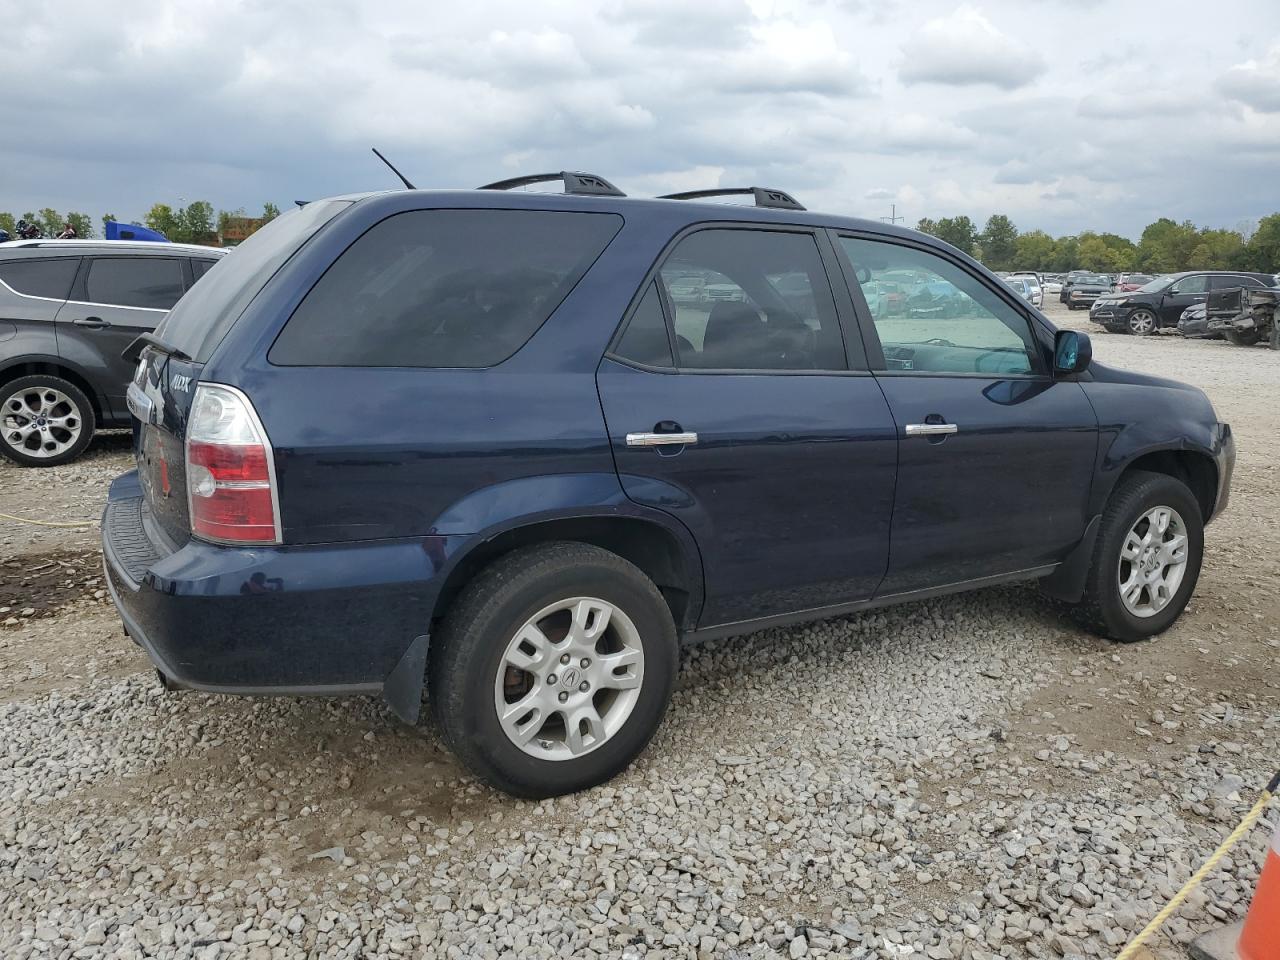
(963, 778)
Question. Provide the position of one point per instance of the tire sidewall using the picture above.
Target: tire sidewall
(88, 420)
(473, 727)
(1160, 491)
(1141, 333)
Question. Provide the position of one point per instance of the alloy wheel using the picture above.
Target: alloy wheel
(569, 678)
(1153, 561)
(40, 422)
(1142, 322)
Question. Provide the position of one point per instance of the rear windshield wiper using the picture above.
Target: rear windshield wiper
(144, 340)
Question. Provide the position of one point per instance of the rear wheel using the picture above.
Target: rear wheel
(553, 669)
(1244, 338)
(1141, 323)
(1146, 560)
(45, 421)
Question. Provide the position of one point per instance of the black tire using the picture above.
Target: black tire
(81, 408)
(468, 651)
(1243, 338)
(1142, 323)
(1274, 340)
(1101, 609)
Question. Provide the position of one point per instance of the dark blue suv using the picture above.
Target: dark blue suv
(516, 447)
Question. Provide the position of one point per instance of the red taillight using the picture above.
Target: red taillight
(230, 480)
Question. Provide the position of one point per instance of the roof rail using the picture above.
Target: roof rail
(765, 196)
(585, 183)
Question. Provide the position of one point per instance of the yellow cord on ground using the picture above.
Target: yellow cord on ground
(1158, 920)
(47, 523)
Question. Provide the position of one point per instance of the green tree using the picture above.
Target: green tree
(1034, 250)
(270, 211)
(107, 218)
(1263, 249)
(9, 224)
(50, 221)
(196, 221)
(1064, 254)
(1217, 250)
(82, 224)
(1166, 247)
(959, 232)
(162, 219)
(999, 241)
(1092, 253)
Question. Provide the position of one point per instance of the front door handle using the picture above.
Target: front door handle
(930, 429)
(660, 439)
(93, 323)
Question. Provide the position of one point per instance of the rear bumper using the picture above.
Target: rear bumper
(320, 619)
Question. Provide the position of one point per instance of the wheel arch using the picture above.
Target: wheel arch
(35, 364)
(1193, 467)
(661, 549)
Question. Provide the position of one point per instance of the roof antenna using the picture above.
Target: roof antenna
(403, 178)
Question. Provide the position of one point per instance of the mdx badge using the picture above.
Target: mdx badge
(181, 382)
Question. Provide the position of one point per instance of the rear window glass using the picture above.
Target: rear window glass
(645, 339)
(200, 267)
(151, 282)
(40, 278)
(202, 318)
(443, 288)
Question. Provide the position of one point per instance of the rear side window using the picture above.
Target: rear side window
(645, 339)
(40, 278)
(443, 288)
(151, 282)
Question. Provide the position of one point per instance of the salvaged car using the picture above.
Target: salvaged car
(1245, 315)
(1194, 324)
(469, 440)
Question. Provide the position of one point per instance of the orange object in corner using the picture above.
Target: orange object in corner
(1260, 938)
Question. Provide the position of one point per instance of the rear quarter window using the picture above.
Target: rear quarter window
(40, 278)
(443, 288)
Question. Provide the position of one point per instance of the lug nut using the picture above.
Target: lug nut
(584, 686)
(563, 696)
(551, 678)
(586, 662)
(565, 658)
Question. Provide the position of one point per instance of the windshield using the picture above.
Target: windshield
(213, 304)
(1093, 280)
(1159, 283)
(1138, 278)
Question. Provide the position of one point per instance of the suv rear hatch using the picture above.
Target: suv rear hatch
(164, 383)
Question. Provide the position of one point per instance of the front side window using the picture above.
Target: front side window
(151, 282)
(934, 317)
(40, 278)
(1197, 284)
(752, 300)
(443, 288)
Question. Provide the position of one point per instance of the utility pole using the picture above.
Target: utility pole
(893, 214)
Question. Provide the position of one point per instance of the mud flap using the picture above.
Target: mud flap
(403, 687)
(1067, 582)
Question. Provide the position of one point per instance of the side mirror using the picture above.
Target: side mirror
(1072, 352)
(863, 275)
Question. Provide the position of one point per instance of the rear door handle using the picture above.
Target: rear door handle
(660, 439)
(930, 429)
(93, 323)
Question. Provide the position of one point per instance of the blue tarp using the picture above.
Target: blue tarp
(131, 231)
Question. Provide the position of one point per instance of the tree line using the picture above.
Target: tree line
(194, 223)
(1165, 246)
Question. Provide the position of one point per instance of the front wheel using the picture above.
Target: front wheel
(1141, 323)
(553, 669)
(1146, 560)
(1244, 338)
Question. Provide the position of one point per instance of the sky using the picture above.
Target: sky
(1066, 115)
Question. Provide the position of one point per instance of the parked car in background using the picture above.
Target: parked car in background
(1132, 281)
(1052, 285)
(1064, 295)
(1086, 288)
(1027, 288)
(616, 471)
(1159, 304)
(68, 308)
(1194, 324)
(1246, 315)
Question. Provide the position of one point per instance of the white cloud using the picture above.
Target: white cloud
(966, 48)
(1255, 83)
